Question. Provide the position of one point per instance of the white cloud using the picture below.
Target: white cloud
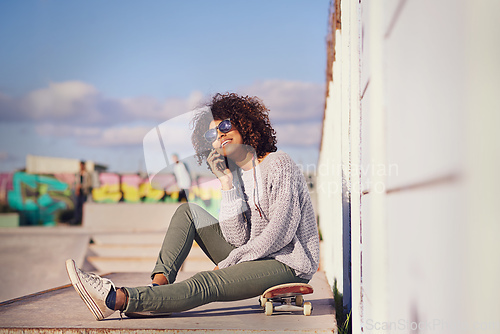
(95, 136)
(57, 130)
(149, 108)
(61, 100)
(296, 109)
(76, 102)
(123, 135)
(146, 107)
(302, 135)
(77, 109)
(69, 102)
(289, 100)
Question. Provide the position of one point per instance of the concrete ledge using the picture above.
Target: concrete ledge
(61, 310)
(39, 254)
(122, 264)
(137, 217)
(9, 219)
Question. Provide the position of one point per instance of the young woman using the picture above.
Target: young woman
(266, 233)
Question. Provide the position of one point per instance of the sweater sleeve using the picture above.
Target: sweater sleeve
(283, 217)
(232, 219)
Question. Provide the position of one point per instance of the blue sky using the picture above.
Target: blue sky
(88, 79)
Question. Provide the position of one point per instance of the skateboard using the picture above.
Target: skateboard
(288, 296)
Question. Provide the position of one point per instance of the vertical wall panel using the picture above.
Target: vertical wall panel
(424, 66)
(329, 181)
(355, 162)
(366, 169)
(346, 92)
(365, 43)
(483, 165)
(375, 279)
(425, 266)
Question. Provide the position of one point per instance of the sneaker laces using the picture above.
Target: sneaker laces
(96, 281)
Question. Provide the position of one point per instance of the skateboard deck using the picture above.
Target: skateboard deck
(289, 297)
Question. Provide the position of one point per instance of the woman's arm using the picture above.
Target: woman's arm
(284, 215)
(232, 219)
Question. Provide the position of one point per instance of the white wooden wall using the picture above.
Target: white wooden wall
(411, 131)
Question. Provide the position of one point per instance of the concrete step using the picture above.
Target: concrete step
(129, 238)
(143, 264)
(197, 264)
(62, 310)
(124, 250)
(115, 217)
(122, 264)
(112, 253)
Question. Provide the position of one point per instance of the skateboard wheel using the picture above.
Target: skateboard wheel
(299, 300)
(262, 301)
(269, 308)
(307, 308)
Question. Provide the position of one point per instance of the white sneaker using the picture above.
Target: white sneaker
(92, 288)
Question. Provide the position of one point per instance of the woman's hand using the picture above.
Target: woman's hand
(218, 165)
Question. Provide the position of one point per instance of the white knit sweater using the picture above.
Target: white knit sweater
(287, 230)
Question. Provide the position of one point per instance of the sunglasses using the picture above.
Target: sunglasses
(224, 127)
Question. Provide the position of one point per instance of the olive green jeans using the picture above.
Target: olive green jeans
(244, 280)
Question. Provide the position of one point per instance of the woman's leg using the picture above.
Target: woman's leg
(244, 280)
(241, 281)
(190, 222)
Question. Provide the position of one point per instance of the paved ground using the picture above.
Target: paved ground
(61, 310)
(32, 259)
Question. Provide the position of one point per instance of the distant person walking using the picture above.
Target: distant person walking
(83, 188)
(183, 178)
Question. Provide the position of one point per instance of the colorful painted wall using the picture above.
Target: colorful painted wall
(49, 199)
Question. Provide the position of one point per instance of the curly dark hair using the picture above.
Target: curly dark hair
(248, 115)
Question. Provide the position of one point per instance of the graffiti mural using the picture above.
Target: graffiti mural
(149, 194)
(207, 194)
(5, 186)
(130, 185)
(109, 190)
(39, 198)
(132, 188)
(44, 199)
